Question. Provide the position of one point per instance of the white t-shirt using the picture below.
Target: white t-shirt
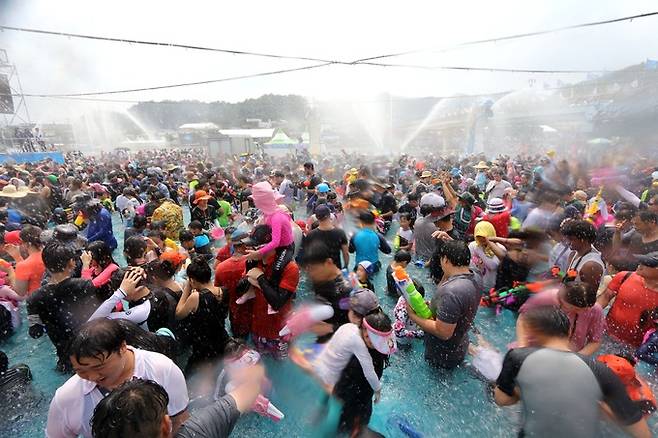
(73, 405)
(347, 341)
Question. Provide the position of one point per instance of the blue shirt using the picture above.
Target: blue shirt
(100, 228)
(367, 243)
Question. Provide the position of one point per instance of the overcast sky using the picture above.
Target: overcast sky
(344, 30)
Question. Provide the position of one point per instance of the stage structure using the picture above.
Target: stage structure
(12, 102)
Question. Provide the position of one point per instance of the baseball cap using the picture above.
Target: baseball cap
(322, 212)
(368, 266)
(432, 200)
(468, 198)
(649, 260)
(384, 342)
(323, 187)
(260, 235)
(13, 237)
(363, 301)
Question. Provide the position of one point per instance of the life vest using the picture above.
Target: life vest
(636, 388)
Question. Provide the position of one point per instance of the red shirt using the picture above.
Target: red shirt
(500, 221)
(475, 218)
(633, 298)
(267, 325)
(227, 275)
(224, 253)
(31, 270)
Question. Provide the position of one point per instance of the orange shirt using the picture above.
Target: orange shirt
(31, 270)
(633, 298)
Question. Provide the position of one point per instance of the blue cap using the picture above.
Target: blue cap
(323, 188)
(455, 172)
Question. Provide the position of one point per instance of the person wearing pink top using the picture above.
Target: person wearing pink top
(98, 266)
(578, 301)
(266, 199)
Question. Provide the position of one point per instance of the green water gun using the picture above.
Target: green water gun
(413, 297)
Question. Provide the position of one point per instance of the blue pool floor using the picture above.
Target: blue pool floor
(434, 403)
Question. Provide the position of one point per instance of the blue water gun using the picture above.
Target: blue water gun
(405, 427)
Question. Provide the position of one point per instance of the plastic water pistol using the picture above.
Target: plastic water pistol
(509, 296)
(408, 289)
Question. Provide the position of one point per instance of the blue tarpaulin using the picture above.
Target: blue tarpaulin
(32, 157)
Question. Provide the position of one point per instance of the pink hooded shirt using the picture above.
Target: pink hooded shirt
(265, 199)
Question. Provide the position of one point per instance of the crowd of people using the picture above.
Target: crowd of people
(214, 251)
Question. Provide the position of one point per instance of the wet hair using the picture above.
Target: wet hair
(101, 253)
(413, 197)
(199, 270)
(644, 215)
(625, 212)
(139, 221)
(456, 251)
(136, 408)
(547, 320)
(379, 320)
(367, 217)
(134, 248)
(157, 234)
(56, 256)
(195, 225)
(234, 347)
(315, 253)
(604, 238)
(161, 269)
(145, 340)
(406, 216)
(309, 165)
(4, 362)
(402, 256)
(579, 229)
(185, 236)
(97, 338)
(31, 235)
(579, 294)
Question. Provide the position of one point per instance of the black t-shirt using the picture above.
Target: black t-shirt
(334, 239)
(388, 203)
(62, 308)
(356, 393)
(510, 272)
(313, 181)
(391, 286)
(561, 391)
(206, 217)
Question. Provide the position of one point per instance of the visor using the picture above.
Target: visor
(384, 342)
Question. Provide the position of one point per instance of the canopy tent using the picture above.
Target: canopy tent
(281, 140)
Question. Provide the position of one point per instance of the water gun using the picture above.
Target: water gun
(594, 207)
(408, 289)
(79, 220)
(262, 405)
(515, 296)
(399, 422)
(304, 318)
